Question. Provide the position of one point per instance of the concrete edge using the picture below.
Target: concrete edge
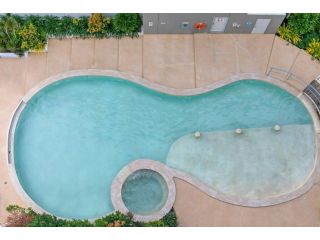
(158, 87)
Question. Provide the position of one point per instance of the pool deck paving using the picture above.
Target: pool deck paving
(176, 61)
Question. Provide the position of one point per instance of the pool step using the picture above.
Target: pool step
(312, 91)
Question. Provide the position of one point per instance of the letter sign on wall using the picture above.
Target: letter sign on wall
(219, 24)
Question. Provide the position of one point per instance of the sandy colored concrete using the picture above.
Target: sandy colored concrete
(183, 61)
(283, 56)
(58, 59)
(195, 208)
(106, 53)
(218, 56)
(215, 58)
(82, 53)
(38, 62)
(130, 55)
(306, 68)
(12, 79)
(171, 62)
(253, 51)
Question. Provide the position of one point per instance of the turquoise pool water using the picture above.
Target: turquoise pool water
(74, 136)
(144, 192)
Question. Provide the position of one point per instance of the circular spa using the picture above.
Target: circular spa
(144, 192)
(73, 136)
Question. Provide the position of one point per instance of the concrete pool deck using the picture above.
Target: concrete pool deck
(177, 61)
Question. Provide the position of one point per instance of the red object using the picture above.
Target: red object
(200, 25)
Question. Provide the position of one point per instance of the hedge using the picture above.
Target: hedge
(97, 25)
(26, 217)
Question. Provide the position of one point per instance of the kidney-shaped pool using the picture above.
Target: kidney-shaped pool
(73, 137)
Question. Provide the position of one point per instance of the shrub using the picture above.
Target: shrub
(9, 38)
(170, 220)
(128, 24)
(302, 23)
(98, 23)
(31, 38)
(116, 219)
(157, 223)
(70, 26)
(314, 48)
(287, 34)
(306, 39)
(46, 220)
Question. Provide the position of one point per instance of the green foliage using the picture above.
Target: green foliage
(306, 39)
(127, 24)
(116, 219)
(32, 38)
(9, 37)
(157, 223)
(303, 23)
(14, 209)
(19, 34)
(170, 220)
(46, 220)
(287, 34)
(99, 23)
(314, 48)
(302, 29)
(65, 26)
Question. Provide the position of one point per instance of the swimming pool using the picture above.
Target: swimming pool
(144, 192)
(74, 136)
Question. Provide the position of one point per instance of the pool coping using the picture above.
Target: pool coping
(307, 185)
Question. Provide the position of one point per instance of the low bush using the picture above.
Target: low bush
(127, 24)
(46, 220)
(9, 37)
(303, 23)
(98, 23)
(314, 48)
(116, 219)
(32, 38)
(287, 34)
(157, 223)
(26, 217)
(170, 220)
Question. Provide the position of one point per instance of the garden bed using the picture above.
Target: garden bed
(26, 217)
(21, 34)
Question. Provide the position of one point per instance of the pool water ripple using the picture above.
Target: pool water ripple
(75, 135)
